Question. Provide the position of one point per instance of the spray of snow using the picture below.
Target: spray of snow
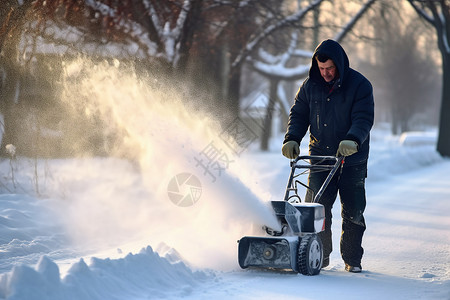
(129, 200)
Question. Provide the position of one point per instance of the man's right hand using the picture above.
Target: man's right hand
(290, 149)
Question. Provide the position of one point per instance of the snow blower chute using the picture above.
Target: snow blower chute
(297, 247)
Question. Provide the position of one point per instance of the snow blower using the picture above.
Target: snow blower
(297, 247)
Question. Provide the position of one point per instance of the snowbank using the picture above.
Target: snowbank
(145, 273)
(391, 155)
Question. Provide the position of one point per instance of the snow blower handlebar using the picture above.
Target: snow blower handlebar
(317, 163)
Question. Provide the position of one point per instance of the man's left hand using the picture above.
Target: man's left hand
(347, 148)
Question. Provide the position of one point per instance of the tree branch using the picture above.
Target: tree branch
(340, 36)
(280, 71)
(422, 13)
(252, 45)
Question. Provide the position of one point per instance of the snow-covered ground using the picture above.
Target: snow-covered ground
(114, 228)
(97, 234)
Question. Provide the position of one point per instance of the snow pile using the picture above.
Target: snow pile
(418, 138)
(32, 232)
(391, 155)
(143, 273)
(28, 229)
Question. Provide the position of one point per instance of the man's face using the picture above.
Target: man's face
(327, 70)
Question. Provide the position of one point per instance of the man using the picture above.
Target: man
(336, 104)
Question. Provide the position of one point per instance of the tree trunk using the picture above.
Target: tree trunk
(8, 94)
(189, 28)
(443, 144)
(232, 100)
(267, 125)
(440, 20)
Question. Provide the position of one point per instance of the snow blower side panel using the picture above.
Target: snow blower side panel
(268, 252)
(312, 218)
(285, 212)
(301, 217)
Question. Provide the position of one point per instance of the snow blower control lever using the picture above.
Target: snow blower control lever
(317, 164)
(297, 247)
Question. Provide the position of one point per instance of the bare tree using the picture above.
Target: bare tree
(205, 41)
(12, 15)
(406, 76)
(182, 37)
(437, 13)
(278, 67)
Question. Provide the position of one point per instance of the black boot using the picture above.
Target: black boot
(325, 262)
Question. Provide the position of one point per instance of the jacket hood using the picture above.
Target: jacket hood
(333, 50)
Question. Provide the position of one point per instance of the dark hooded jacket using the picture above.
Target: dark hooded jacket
(332, 113)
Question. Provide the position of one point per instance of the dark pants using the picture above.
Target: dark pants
(351, 187)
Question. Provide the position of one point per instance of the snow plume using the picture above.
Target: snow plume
(183, 187)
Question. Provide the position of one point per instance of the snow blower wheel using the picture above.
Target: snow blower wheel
(310, 255)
